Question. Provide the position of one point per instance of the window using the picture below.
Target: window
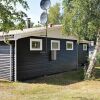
(55, 45)
(85, 47)
(35, 44)
(69, 45)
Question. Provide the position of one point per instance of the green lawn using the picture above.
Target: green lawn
(65, 86)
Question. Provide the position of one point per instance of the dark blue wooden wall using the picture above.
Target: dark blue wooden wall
(82, 55)
(32, 64)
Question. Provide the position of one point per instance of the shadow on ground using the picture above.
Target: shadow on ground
(62, 79)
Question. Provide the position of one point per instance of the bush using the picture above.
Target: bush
(81, 73)
(98, 59)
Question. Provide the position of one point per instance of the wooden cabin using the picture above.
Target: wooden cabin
(30, 54)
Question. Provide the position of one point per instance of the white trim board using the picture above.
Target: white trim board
(15, 61)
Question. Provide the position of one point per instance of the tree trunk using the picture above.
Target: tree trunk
(91, 66)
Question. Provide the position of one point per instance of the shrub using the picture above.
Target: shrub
(98, 59)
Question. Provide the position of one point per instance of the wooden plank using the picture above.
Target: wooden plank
(4, 62)
(4, 70)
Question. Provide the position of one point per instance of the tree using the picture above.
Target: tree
(54, 14)
(82, 18)
(9, 16)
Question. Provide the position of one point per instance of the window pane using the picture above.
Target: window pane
(69, 45)
(35, 44)
(85, 47)
(55, 45)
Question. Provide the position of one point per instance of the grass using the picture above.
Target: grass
(65, 86)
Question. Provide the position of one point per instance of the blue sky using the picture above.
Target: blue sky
(35, 11)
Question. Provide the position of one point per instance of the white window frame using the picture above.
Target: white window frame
(71, 42)
(56, 41)
(84, 49)
(36, 49)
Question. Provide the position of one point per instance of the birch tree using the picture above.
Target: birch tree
(82, 18)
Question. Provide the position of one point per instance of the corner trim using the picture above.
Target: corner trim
(15, 60)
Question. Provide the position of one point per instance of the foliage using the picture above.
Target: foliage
(81, 18)
(54, 14)
(98, 59)
(10, 16)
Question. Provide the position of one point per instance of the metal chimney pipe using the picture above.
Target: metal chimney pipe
(28, 22)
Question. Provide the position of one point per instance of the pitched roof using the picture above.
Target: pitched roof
(84, 41)
(53, 32)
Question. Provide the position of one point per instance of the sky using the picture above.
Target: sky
(35, 11)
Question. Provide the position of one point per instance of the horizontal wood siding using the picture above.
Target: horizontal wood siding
(32, 64)
(4, 61)
(82, 55)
